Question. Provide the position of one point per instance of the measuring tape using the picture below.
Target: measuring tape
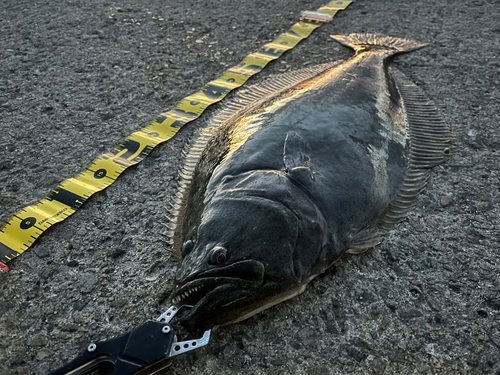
(21, 230)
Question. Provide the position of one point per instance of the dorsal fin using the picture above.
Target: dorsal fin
(245, 102)
(430, 145)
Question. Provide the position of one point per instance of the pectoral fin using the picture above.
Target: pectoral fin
(295, 157)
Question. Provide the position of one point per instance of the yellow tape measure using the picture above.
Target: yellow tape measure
(22, 229)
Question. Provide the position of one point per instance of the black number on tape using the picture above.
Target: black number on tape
(272, 52)
(249, 70)
(66, 197)
(215, 92)
(178, 124)
(181, 113)
(6, 253)
(145, 152)
(160, 119)
(130, 145)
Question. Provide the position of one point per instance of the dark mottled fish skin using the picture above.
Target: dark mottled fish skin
(298, 173)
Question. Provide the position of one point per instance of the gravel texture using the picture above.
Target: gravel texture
(77, 76)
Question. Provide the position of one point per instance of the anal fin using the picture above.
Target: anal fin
(430, 145)
(364, 240)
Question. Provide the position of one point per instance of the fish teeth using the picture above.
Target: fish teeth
(186, 294)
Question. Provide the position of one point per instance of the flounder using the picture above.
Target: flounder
(295, 172)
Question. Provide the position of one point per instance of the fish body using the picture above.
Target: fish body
(294, 173)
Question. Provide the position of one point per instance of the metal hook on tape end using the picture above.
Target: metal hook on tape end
(315, 16)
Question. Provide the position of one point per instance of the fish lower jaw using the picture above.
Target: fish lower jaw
(282, 298)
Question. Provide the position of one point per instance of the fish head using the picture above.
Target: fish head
(246, 257)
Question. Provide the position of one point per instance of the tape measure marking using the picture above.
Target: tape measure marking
(22, 229)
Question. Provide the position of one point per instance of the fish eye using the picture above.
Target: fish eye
(218, 255)
(187, 247)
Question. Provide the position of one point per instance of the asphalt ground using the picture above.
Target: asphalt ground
(76, 77)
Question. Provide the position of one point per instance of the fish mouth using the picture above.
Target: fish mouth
(220, 282)
(194, 291)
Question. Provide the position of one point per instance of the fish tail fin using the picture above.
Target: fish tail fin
(366, 42)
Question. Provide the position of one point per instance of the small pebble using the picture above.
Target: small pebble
(37, 341)
(446, 201)
(72, 263)
(115, 253)
(43, 353)
(118, 303)
(69, 327)
(88, 282)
